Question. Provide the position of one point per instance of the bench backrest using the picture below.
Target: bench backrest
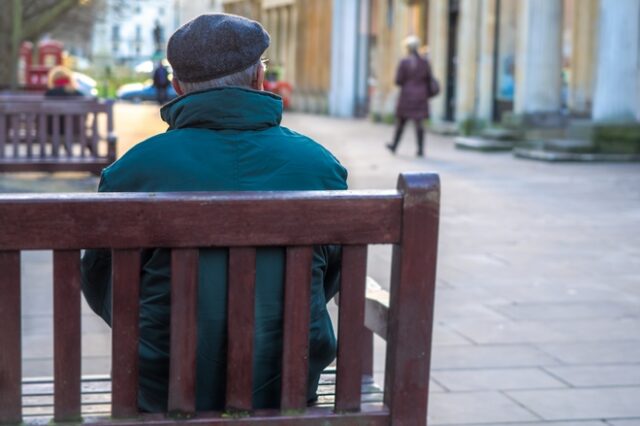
(33, 127)
(407, 218)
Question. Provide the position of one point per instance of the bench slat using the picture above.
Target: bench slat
(66, 330)
(376, 416)
(184, 330)
(351, 327)
(295, 352)
(95, 136)
(3, 133)
(187, 220)
(84, 149)
(55, 134)
(10, 340)
(29, 133)
(15, 137)
(240, 326)
(42, 134)
(125, 331)
(68, 134)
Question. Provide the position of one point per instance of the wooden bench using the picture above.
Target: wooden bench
(52, 135)
(407, 218)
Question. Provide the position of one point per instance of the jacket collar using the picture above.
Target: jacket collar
(234, 108)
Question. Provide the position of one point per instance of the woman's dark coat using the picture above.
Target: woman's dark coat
(413, 75)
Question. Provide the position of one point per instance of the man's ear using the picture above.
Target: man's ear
(258, 82)
(176, 87)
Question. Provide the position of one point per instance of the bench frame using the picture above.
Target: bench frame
(31, 127)
(407, 218)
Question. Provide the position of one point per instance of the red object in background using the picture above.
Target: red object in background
(49, 56)
(50, 53)
(280, 88)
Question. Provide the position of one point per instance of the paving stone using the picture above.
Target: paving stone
(574, 404)
(496, 379)
(507, 331)
(568, 311)
(594, 352)
(475, 407)
(599, 330)
(489, 356)
(598, 375)
(630, 422)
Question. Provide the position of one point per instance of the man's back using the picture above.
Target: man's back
(222, 140)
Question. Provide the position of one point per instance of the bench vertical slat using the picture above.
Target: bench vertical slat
(10, 342)
(68, 134)
(66, 331)
(29, 136)
(94, 134)
(55, 139)
(42, 134)
(184, 330)
(295, 351)
(15, 138)
(240, 326)
(350, 325)
(82, 125)
(410, 324)
(125, 332)
(3, 133)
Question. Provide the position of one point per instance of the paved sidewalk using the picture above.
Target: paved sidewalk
(538, 299)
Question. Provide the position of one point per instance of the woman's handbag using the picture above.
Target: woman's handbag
(434, 86)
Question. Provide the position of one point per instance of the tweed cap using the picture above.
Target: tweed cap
(215, 45)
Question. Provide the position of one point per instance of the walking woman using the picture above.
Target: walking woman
(417, 86)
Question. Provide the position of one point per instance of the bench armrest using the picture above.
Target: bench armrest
(376, 310)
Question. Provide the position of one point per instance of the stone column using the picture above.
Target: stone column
(539, 63)
(467, 70)
(617, 93)
(344, 58)
(583, 55)
(438, 43)
(487, 59)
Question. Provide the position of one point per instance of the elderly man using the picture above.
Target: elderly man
(224, 135)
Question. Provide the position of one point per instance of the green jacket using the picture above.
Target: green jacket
(227, 139)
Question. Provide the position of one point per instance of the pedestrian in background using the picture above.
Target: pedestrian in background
(417, 85)
(61, 83)
(161, 82)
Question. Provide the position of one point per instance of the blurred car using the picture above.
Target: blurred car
(85, 84)
(138, 92)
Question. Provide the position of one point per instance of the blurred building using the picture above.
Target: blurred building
(133, 31)
(546, 59)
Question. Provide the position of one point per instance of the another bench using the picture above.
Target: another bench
(407, 218)
(51, 135)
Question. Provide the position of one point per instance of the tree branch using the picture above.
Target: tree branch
(37, 25)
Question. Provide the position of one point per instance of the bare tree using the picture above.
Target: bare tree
(29, 19)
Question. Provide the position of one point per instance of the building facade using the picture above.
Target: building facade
(134, 31)
(536, 58)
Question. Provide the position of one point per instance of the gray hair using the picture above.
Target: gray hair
(244, 78)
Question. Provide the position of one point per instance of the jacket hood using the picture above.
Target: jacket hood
(224, 108)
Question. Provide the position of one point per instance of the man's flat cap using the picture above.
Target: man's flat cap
(214, 46)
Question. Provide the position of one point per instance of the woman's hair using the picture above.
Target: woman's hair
(60, 76)
(244, 78)
(412, 43)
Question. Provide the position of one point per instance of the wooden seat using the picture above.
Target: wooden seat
(407, 218)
